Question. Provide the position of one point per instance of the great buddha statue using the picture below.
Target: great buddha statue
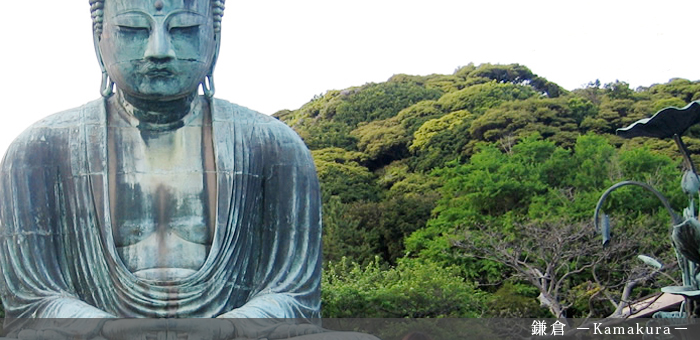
(156, 201)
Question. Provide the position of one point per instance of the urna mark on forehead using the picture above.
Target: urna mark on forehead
(156, 7)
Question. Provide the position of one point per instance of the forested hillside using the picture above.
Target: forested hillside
(472, 194)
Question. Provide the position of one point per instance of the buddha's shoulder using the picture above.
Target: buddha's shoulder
(274, 138)
(59, 125)
(48, 139)
(246, 118)
(55, 125)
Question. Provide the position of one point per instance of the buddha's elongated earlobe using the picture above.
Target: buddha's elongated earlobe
(107, 85)
(97, 10)
(208, 86)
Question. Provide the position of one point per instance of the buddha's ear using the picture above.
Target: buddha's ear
(107, 85)
(96, 36)
(208, 83)
(217, 47)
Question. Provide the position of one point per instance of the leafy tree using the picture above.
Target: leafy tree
(401, 216)
(618, 90)
(503, 199)
(382, 142)
(581, 108)
(593, 155)
(661, 104)
(683, 89)
(345, 235)
(341, 175)
(513, 300)
(379, 101)
(362, 230)
(546, 116)
(441, 82)
(399, 180)
(413, 117)
(424, 136)
(328, 134)
(318, 107)
(495, 182)
(411, 289)
(479, 98)
(513, 73)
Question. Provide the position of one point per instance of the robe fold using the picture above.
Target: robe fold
(57, 250)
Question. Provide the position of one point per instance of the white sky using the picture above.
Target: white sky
(278, 54)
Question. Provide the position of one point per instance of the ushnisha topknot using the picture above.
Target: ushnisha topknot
(97, 11)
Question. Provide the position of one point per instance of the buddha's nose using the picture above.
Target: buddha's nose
(159, 46)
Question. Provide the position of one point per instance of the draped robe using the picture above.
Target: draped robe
(57, 250)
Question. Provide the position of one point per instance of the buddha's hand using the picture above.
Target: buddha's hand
(269, 328)
(48, 334)
(286, 331)
(62, 329)
(181, 329)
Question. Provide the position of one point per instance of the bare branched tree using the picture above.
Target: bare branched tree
(554, 256)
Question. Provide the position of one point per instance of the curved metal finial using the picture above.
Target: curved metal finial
(675, 219)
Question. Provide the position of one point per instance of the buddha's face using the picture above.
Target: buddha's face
(158, 49)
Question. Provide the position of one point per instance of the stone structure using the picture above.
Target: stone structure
(155, 201)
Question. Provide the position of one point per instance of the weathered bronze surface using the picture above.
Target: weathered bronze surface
(155, 201)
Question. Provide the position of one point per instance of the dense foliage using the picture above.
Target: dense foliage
(436, 187)
(411, 289)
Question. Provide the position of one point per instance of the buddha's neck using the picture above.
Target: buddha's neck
(150, 112)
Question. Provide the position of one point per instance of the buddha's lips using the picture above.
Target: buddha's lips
(159, 72)
(155, 70)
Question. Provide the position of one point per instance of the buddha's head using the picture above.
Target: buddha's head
(157, 49)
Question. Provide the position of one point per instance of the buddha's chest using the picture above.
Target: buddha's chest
(160, 201)
(167, 204)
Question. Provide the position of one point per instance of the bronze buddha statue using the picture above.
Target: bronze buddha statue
(156, 201)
